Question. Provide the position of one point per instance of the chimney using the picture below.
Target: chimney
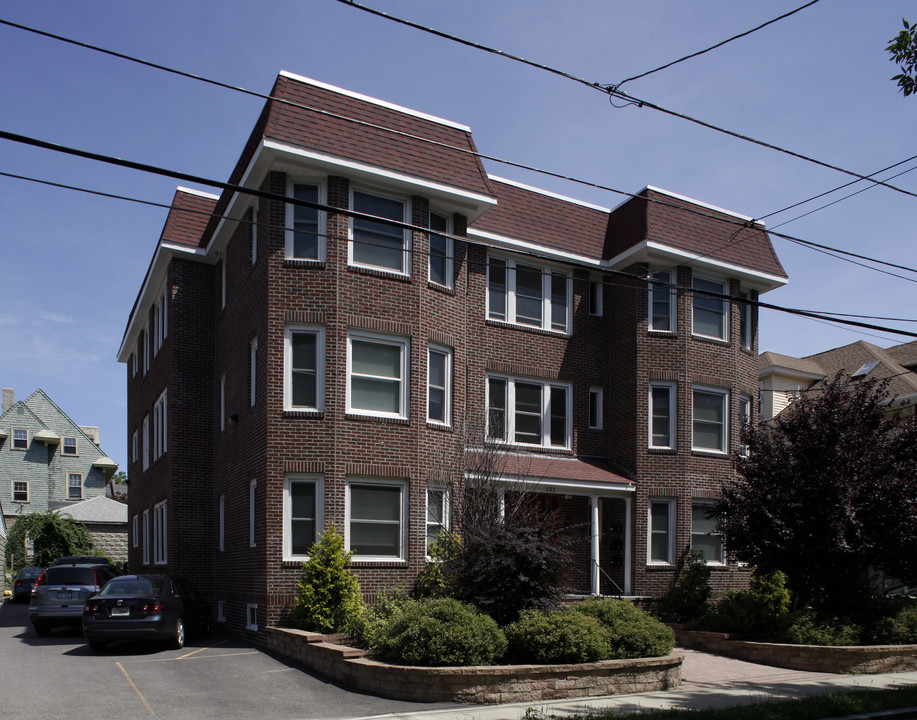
(9, 399)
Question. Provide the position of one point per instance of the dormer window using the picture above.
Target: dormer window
(69, 446)
(20, 439)
(376, 244)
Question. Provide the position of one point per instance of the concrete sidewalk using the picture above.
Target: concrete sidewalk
(709, 681)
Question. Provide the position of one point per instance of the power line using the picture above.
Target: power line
(717, 45)
(418, 138)
(612, 92)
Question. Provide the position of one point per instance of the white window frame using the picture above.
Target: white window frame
(253, 372)
(404, 345)
(221, 538)
(160, 426)
(446, 514)
(146, 442)
(321, 224)
(71, 476)
(670, 532)
(251, 616)
(510, 293)
(252, 500)
(16, 441)
(405, 268)
(671, 388)
(448, 354)
(146, 349)
(724, 395)
(596, 402)
(146, 537)
(288, 481)
(596, 297)
(319, 333)
(402, 485)
(509, 436)
(696, 504)
(135, 446)
(745, 409)
(664, 278)
(254, 231)
(746, 334)
(135, 531)
(445, 235)
(14, 491)
(223, 402)
(160, 533)
(159, 322)
(64, 445)
(723, 303)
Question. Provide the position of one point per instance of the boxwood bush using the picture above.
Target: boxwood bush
(632, 632)
(809, 628)
(558, 636)
(437, 632)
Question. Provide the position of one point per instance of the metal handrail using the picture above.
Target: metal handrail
(610, 579)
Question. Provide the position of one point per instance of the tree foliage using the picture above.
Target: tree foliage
(51, 535)
(329, 597)
(903, 50)
(827, 493)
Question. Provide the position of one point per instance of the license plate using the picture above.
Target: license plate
(120, 612)
(64, 595)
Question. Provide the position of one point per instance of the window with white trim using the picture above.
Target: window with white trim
(376, 244)
(437, 514)
(302, 514)
(662, 302)
(135, 447)
(595, 408)
(160, 314)
(376, 511)
(660, 532)
(662, 415)
(146, 442)
(19, 490)
(377, 374)
(704, 536)
(74, 486)
(744, 421)
(305, 238)
(529, 412)
(251, 616)
(304, 367)
(440, 260)
(160, 426)
(595, 297)
(69, 446)
(709, 425)
(439, 385)
(252, 495)
(254, 231)
(20, 438)
(710, 314)
(746, 327)
(160, 534)
(530, 295)
(135, 531)
(252, 371)
(221, 538)
(146, 537)
(146, 349)
(222, 402)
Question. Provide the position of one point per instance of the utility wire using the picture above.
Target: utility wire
(410, 136)
(718, 45)
(613, 92)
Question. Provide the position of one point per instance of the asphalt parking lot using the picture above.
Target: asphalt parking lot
(218, 676)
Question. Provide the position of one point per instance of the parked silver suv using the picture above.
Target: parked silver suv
(62, 590)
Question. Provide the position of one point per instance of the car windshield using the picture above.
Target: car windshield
(133, 586)
(61, 575)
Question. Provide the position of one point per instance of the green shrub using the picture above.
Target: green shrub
(329, 598)
(685, 601)
(808, 628)
(437, 632)
(369, 625)
(898, 627)
(759, 613)
(557, 636)
(437, 579)
(632, 633)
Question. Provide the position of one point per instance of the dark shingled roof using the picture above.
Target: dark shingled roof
(188, 216)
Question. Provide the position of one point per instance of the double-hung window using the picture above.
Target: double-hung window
(221, 539)
(662, 415)
(528, 412)
(135, 447)
(146, 537)
(439, 385)
(746, 328)
(160, 426)
(74, 486)
(302, 514)
(595, 297)
(160, 534)
(704, 536)
(595, 408)
(146, 442)
(529, 295)
(440, 251)
(20, 491)
(69, 446)
(744, 420)
(252, 372)
(437, 514)
(305, 225)
(376, 511)
(252, 514)
(135, 531)
(662, 302)
(377, 244)
(710, 429)
(20, 439)
(377, 374)
(661, 532)
(254, 232)
(710, 313)
(304, 367)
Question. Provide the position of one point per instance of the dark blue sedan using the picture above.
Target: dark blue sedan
(145, 607)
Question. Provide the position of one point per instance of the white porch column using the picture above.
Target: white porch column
(501, 503)
(628, 554)
(595, 536)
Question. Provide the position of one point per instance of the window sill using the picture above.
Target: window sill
(529, 448)
(660, 566)
(379, 272)
(379, 562)
(661, 333)
(444, 289)
(712, 340)
(442, 427)
(527, 328)
(314, 414)
(378, 418)
(709, 453)
(304, 263)
(662, 450)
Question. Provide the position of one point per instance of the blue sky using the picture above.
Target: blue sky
(817, 83)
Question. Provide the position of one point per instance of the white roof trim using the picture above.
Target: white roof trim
(691, 200)
(374, 101)
(558, 486)
(201, 193)
(507, 243)
(548, 193)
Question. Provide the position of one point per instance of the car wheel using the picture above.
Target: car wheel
(178, 635)
(42, 629)
(97, 645)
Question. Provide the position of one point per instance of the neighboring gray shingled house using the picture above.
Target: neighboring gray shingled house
(782, 377)
(106, 520)
(47, 461)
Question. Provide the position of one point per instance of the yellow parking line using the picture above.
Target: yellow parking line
(194, 652)
(136, 690)
(202, 657)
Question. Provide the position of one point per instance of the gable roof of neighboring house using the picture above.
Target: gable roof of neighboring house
(97, 510)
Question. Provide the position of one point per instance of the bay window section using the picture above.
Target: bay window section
(375, 519)
(377, 375)
(709, 419)
(528, 295)
(304, 371)
(528, 412)
(710, 313)
(377, 244)
(304, 236)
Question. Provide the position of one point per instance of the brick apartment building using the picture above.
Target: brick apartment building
(291, 365)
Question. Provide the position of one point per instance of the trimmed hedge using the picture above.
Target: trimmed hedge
(559, 636)
(632, 633)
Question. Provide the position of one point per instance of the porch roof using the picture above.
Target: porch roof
(564, 473)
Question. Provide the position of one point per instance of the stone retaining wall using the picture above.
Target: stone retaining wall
(857, 659)
(484, 684)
